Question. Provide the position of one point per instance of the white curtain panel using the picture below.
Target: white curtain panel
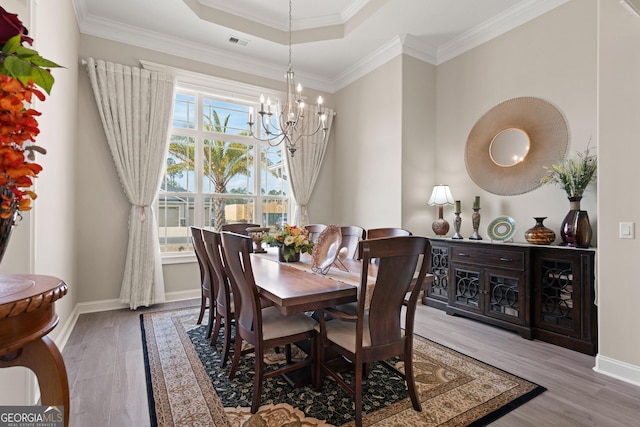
(305, 165)
(135, 106)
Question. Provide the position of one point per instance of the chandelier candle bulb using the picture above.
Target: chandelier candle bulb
(476, 203)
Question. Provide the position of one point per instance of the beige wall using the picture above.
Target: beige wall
(368, 150)
(619, 127)
(552, 57)
(419, 150)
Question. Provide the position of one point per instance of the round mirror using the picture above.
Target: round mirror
(509, 147)
(531, 129)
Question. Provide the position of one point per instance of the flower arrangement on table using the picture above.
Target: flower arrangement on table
(291, 241)
(22, 71)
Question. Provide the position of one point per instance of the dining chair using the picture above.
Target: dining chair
(374, 333)
(351, 235)
(239, 227)
(315, 230)
(263, 328)
(206, 290)
(224, 302)
(377, 233)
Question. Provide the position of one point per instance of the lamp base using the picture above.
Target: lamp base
(440, 226)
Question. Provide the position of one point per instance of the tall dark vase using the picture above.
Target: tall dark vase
(575, 229)
(6, 226)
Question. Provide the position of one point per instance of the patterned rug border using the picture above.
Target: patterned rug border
(218, 413)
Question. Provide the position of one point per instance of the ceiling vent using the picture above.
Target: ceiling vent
(236, 40)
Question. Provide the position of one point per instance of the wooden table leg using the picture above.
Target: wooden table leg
(44, 359)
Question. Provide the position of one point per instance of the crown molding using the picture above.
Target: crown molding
(402, 44)
(503, 23)
(134, 36)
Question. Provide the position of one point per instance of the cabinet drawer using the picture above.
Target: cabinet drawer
(489, 257)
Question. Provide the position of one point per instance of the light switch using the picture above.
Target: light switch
(627, 230)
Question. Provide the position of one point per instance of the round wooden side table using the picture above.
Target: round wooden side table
(27, 315)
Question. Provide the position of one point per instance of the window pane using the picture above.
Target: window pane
(224, 117)
(184, 111)
(228, 210)
(228, 167)
(274, 212)
(274, 180)
(179, 175)
(175, 216)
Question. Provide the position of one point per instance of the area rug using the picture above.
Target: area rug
(187, 386)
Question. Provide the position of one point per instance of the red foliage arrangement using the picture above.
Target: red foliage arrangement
(22, 71)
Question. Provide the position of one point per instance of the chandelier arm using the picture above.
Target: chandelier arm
(290, 126)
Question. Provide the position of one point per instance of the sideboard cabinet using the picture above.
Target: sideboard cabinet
(543, 292)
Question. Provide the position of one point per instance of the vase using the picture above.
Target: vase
(575, 229)
(293, 257)
(539, 234)
(6, 226)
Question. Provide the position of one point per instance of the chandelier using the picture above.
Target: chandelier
(289, 125)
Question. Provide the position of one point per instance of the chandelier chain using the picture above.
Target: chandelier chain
(288, 125)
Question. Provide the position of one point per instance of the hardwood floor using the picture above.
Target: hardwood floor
(106, 373)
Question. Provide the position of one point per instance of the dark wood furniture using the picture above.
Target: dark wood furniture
(542, 292)
(377, 233)
(224, 308)
(262, 328)
(375, 333)
(207, 292)
(27, 315)
(294, 290)
(239, 227)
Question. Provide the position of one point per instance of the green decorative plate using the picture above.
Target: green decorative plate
(501, 229)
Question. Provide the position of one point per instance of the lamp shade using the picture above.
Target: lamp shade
(441, 195)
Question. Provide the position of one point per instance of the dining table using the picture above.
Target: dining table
(294, 287)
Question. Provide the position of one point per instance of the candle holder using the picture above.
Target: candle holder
(257, 234)
(475, 220)
(457, 222)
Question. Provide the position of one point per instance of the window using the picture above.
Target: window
(215, 173)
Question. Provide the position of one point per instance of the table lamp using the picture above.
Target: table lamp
(440, 196)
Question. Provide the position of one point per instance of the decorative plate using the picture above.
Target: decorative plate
(326, 249)
(502, 228)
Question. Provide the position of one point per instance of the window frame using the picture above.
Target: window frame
(207, 87)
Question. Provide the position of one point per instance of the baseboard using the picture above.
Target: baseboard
(107, 305)
(115, 304)
(617, 369)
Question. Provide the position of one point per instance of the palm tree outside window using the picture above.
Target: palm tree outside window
(216, 173)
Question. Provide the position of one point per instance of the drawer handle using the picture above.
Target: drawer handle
(463, 254)
(506, 259)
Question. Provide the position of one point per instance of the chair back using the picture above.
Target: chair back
(398, 258)
(201, 256)
(213, 249)
(377, 233)
(351, 235)
(240, 227)
(237, 262)
(314, 230)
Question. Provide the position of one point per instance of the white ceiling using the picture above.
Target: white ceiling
(333, 41)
